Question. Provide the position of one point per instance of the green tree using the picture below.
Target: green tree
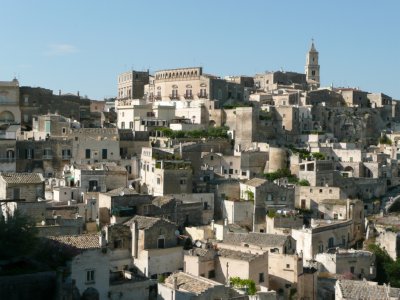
(387, 270)
(385, 140)
(304, 182)
(18, 235)
(248, 284)
(318, 155)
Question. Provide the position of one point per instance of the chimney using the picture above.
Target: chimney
(212, 224)
(77, 93)
(135, 236)
(226, 222)
(175, 279)
(59, 92)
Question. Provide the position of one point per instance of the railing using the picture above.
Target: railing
(187, 96)
(174, 97)
(47, 156)
(202, 95)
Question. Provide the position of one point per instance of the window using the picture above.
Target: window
(90, 276)
(158, 180)
(352, 270)
(269, 197)
(211, 157)
(130, 125)
(47, 153)
(330, 242)
(211, 274)
(283, 198)
(93, 185)
(122, 125)
(87, 153)
(182, 181)
(261, 277)
(104, 153)
(320, 248)
(287, 266)
(16, 194)
(64, 130)
(66, 153)
(29, 153)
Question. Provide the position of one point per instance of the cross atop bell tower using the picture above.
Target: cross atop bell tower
(312, 67)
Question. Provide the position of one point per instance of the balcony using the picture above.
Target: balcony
(202, 95)
(47, 156)
(174, 97)
(188, 96)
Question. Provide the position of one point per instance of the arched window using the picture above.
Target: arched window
(6, 116)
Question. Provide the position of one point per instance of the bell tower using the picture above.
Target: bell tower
(312, 67)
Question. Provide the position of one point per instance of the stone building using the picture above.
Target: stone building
(184, 286)
(131, 84)
(161, 173)
(36, 101)
(48, 156)
(274, 243)
(322, 235)
(312, 67)
(22, 186)
(121, 204)
(10, 112)
(8, 148)
(89, 266)
(270, 81)
(359, 263)
(191, 84)
(92, 145)
(353, 289)
(155, 248)
(268, 194)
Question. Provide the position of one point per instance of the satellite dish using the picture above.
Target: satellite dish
(130, 186)
(121, 193)
(197, 244)
(177, 233)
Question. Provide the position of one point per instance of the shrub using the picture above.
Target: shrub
(240, 283)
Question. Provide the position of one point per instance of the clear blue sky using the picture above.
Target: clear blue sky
(83, 45)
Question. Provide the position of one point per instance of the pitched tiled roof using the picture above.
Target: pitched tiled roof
(366, 290)
(190, 283)
(144, 222)
(255, 239)
(22, 177)
(83, 241)
(255, 182)
(162, 200)
(238, 255)
(122, 191)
